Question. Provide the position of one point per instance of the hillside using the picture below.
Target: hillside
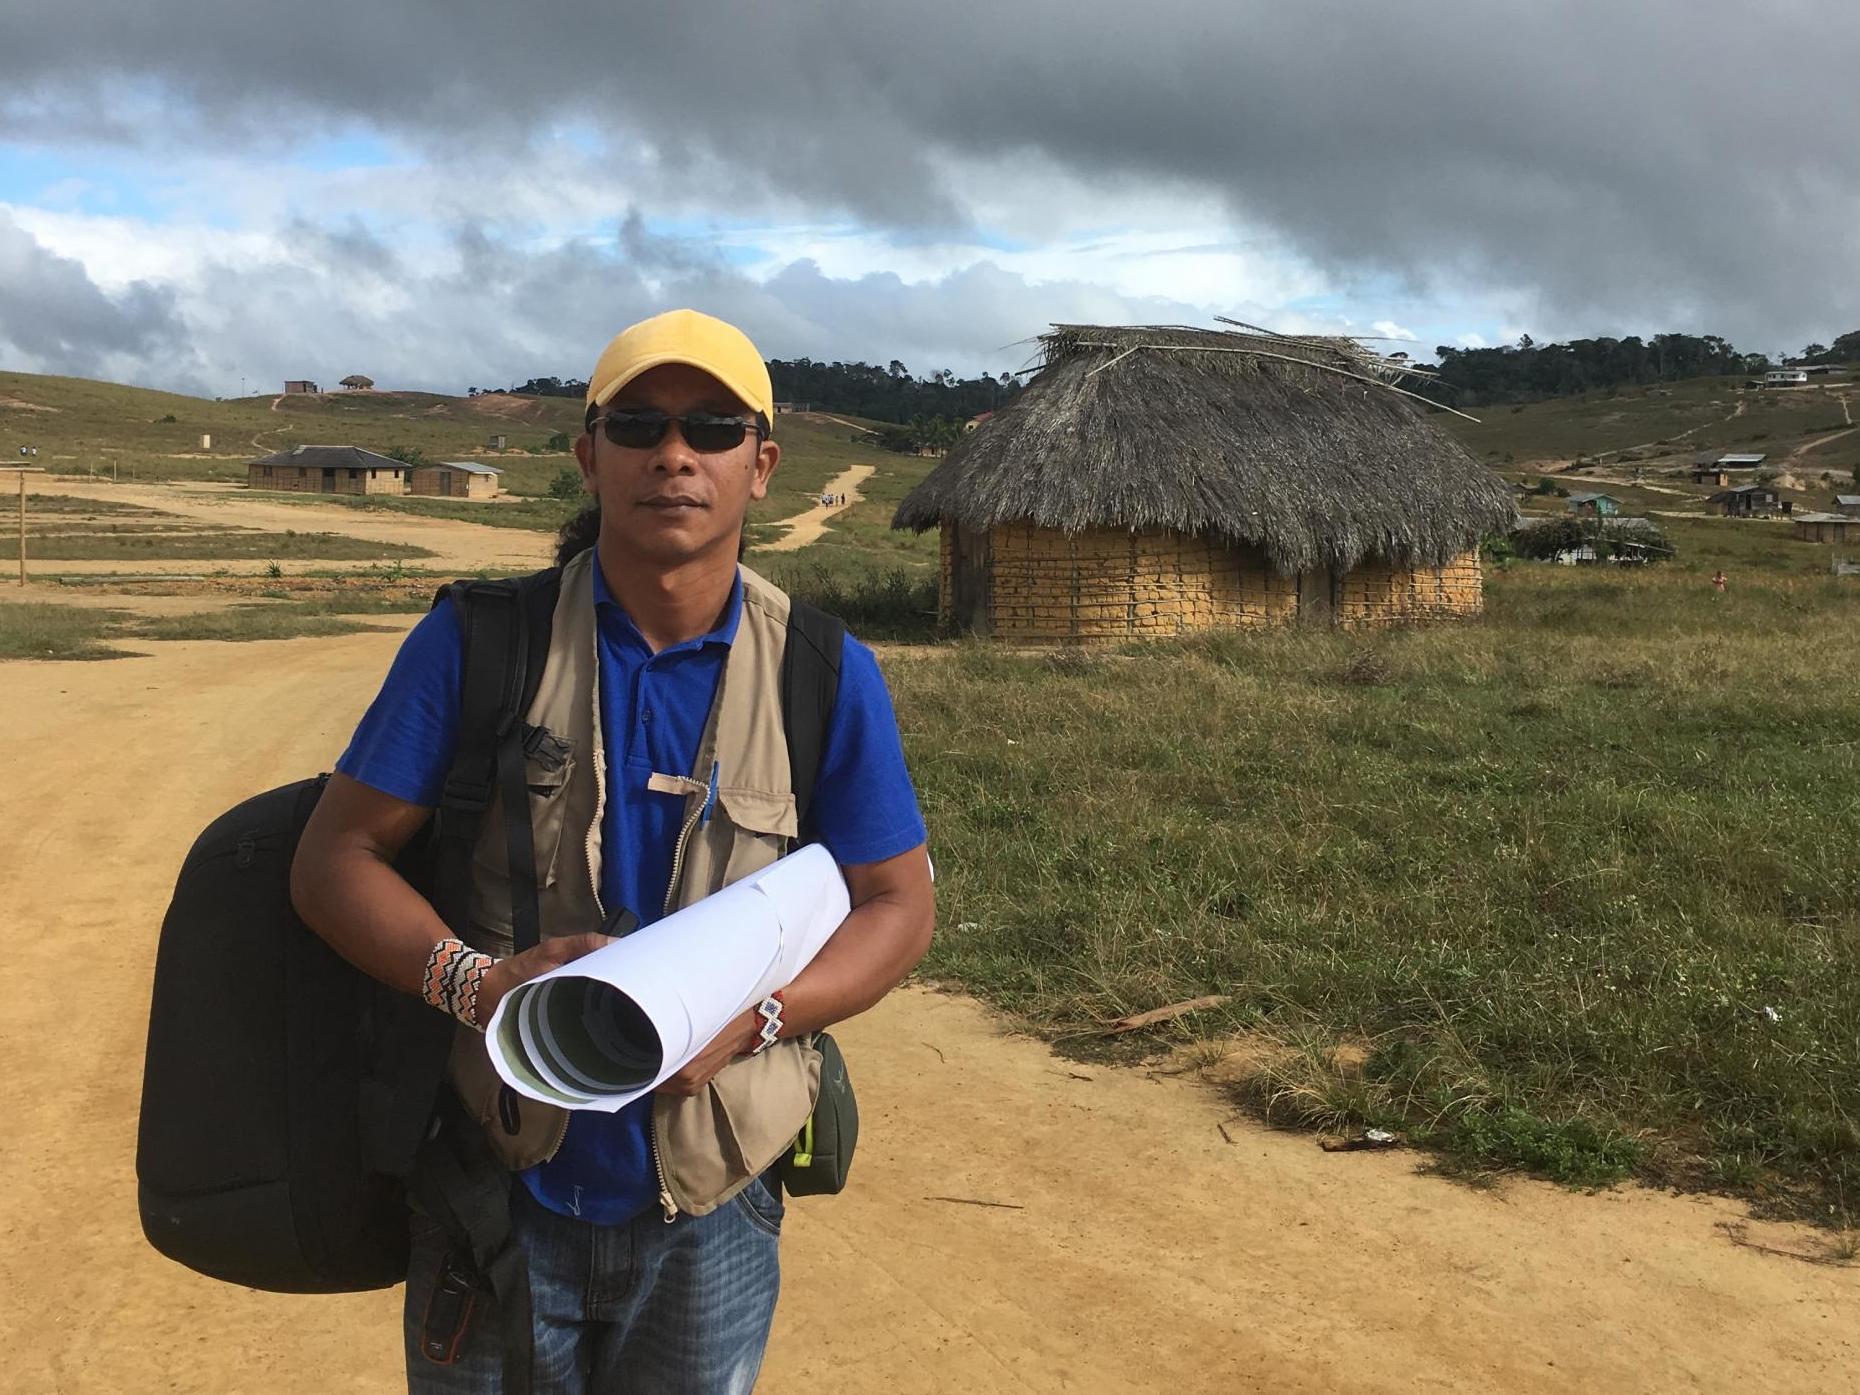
(81, 427)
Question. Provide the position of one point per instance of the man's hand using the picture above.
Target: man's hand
(506, 974)
(733, 1041)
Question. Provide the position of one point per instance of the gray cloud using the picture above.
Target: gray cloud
(486, 312)
(1669, 163)
(54, 318)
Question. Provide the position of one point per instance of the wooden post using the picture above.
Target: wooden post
(22, 471)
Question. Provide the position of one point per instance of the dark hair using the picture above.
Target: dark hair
(578, 534)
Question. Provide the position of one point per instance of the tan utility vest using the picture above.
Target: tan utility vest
(707, 1146)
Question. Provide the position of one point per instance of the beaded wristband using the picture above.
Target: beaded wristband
(769, 1010)
(454, 973)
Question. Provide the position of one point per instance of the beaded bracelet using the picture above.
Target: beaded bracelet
(770, 1011)
(454, 973)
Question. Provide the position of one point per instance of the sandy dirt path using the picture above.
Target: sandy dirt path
(805, 528)
(1145, 1251)
(457, 546)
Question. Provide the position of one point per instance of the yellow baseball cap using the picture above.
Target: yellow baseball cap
(684, 336)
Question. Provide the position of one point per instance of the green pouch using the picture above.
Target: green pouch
(821, 1156)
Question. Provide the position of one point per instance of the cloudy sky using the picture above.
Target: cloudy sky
(198, 194)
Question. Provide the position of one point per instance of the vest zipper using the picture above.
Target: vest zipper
(678, 857)
(666, 1204)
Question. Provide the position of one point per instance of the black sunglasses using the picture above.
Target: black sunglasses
(703, 431)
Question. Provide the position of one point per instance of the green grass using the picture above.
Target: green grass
(540, 514)
(1549, 869)
(1688, 416)
(37, 630)
(135, 543)
(242, 623)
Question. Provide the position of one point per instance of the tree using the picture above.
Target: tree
(566, 484)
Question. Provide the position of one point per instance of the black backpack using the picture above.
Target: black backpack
(286, 1094)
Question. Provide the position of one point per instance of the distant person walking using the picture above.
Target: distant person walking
(1718, 581)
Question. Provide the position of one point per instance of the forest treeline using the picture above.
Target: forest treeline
(1521, 372)
(1527, 371)
(892, 393)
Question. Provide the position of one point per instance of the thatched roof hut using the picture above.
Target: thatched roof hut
(1156, 479)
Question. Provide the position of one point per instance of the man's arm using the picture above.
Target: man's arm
(344, 885)
(888, 932)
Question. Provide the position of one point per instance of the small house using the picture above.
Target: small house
(328, 470)
(357, 382)
(455, 479)
(300, 387)
(1748, 501)
(783, 409)
(1826, 528)
(496, 443)
(1847, 503)
(1590, 505)
(1786, 377)
(1155, 480)
(1718, 468)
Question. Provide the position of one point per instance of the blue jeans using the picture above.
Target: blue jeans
(647, 1307)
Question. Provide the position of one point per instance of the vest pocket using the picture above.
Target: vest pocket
(714, 1143)
(759, 827)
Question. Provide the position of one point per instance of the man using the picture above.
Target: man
(657, 775)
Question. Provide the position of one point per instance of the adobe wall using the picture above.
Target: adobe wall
(1041, 584)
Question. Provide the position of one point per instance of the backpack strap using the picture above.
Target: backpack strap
(810, 685)
(505, 628)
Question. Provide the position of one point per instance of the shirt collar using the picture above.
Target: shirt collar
(725, 633)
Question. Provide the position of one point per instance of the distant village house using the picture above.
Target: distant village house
(455, 479)
(1718, 468)
(1588, 505)
(328, 470)
(1785, 377)
(299, 387)
(358, 382)
(1847, 503)
(1826, 528)
(1748, 501)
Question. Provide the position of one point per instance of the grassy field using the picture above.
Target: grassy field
(40, 630)
(1570, 888)
(141, 542)
(1666, 423)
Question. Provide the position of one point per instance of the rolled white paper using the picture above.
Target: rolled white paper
(605, 1029)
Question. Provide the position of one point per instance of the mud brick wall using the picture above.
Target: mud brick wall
(1378, 594)
(1115, 584)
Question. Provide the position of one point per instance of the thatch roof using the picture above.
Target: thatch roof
(1303, 447)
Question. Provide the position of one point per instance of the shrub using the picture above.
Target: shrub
(566, 484)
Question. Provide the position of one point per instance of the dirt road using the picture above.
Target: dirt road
(805, 528)
(1143, 1251)
(457, 546)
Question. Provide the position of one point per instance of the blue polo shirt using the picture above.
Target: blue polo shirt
(653, 709)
